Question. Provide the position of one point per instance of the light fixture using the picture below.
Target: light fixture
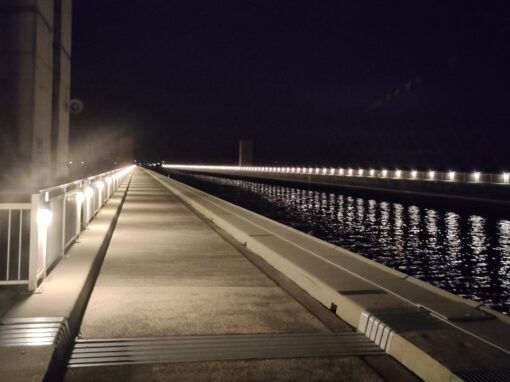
(360, 172)
(44, 217)
(384, 173)
(432, 174)
(506, 177)
(398, 173)
(80, 197)
(89, 192)
(414, 174)
(451, 175)
(476, 176)
(372, 172)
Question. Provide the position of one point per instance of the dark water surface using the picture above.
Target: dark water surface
(465, 253)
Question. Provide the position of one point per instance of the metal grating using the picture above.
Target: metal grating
(33, 331)
(106, 352)
(494, 375)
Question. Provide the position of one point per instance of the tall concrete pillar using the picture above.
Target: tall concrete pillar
(27, 110)
(61, 87)
(245, 152)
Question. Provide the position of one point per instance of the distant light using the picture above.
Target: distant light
(384, 173)
(332, 171)
(340, 171)
(82, 162)
(476, 176)
(398, 173)
(451, 175)
(89, 192)
(70, 162)
(360, 172)
(432, 174)
(372, 172)
(317, 170)
(349, 172)
(44, 217)
(414, 174)
(506, 177)
(310, 170)
(324, 170)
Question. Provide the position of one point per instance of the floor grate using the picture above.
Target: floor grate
(106, 352)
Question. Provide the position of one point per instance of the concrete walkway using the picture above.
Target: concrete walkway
(168, 273)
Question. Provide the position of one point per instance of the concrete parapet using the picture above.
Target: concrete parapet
(437, 335)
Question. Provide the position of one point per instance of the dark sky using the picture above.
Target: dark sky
(361, 83)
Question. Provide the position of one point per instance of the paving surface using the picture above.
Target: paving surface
(168, 273)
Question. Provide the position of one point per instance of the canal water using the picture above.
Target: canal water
(454, 249)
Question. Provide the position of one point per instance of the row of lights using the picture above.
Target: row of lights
(45, 216)
(398, 174)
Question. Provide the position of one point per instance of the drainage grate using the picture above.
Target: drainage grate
(107, 352)
(33, 331)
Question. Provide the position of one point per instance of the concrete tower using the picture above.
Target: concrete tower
(35, 71)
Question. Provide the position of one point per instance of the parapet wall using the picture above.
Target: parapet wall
(476, 186)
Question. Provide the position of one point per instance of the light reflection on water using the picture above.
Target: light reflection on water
(466, 254)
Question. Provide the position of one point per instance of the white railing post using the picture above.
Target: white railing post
(34, 243)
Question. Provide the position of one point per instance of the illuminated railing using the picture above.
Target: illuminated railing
(38, 233)
(431, 175)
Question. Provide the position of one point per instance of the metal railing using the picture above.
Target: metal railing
(33, 236)
(431, 175)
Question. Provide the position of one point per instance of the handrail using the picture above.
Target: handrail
(40, 232)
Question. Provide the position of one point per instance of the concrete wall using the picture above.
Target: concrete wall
(29, 120)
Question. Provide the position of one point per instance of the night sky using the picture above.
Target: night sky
(317, 82)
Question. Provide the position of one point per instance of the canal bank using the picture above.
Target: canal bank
(421, 326)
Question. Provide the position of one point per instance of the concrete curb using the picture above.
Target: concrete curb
(401, 314)
(63, 298)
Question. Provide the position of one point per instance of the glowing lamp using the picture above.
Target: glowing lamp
(89, 192)
(414, 174)
(44, 217)
(506, 177)
(451, 175)
(384, 173)
(80, 197)
(340, 171)
(349, 172)
(476, 176)
(100, 185)
(371, 172)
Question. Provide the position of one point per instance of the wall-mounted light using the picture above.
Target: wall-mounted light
(372, 172)
(360, 172)
(80, 197)
(384, 173)
(414, 174)
(340, 171)
(44, 217)
(89, 192)
(506, 177)
(432, 175)
(451, 175)
(398, 173)
(476, 176)
(349, 172)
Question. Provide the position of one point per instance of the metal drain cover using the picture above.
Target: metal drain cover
(106, 352)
